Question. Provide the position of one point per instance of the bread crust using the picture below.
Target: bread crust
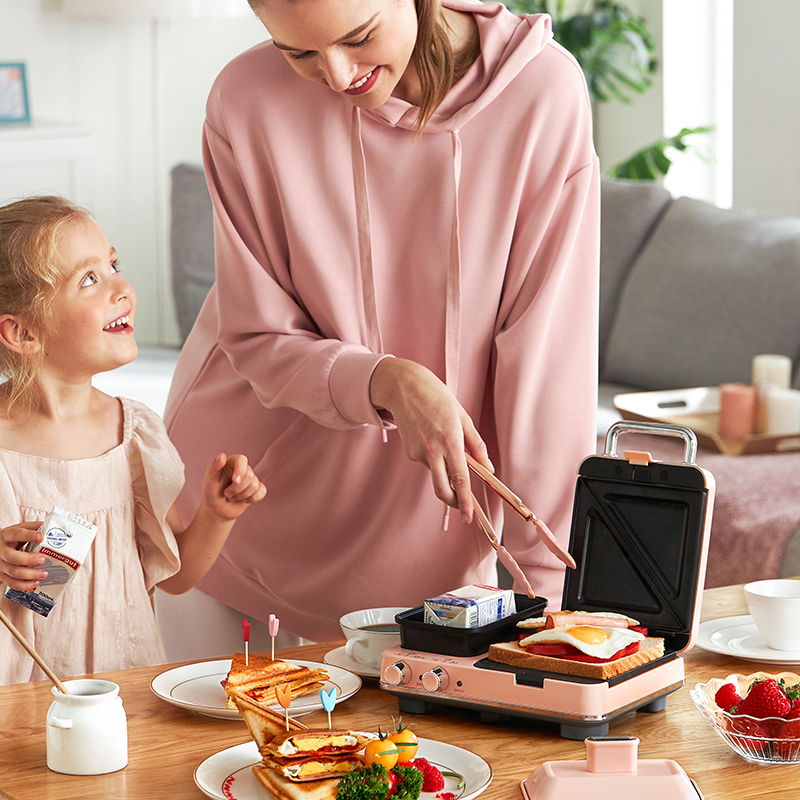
(515, 656)
(283, 789)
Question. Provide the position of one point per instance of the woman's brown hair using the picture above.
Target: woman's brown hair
(31, 271)
(438, 67)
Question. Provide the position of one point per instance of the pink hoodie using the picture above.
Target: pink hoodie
(340, 240)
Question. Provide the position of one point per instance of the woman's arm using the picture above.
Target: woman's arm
(230, 487)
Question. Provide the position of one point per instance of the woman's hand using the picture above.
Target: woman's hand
(433, 427)
(230, 487)
(18, 569)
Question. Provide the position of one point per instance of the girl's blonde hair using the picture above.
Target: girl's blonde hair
(438, 67)
(31, 270)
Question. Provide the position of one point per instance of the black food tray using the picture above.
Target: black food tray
(418, 635)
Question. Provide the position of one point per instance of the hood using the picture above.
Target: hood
(508, 43)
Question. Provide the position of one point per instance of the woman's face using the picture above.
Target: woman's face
(359, 48)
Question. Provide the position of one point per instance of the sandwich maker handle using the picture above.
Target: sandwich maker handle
(657, 428)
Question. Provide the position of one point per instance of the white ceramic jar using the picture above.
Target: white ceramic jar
(87, 729)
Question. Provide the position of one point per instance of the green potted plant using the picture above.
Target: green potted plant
(617, 54)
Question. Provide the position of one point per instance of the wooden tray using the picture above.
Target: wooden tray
(698, 409)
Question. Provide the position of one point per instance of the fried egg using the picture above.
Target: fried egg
(594, 641)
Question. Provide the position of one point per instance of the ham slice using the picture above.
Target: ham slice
(559, 619)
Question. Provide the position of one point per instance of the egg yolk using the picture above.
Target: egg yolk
(588, 634)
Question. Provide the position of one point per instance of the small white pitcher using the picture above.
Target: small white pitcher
(87, 730)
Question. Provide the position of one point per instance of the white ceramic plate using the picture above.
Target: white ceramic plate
(339, 658)
(228, 775)
(739, 637)
(198, 687)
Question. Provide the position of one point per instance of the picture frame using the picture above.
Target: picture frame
(14, 105)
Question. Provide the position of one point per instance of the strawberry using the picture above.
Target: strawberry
(766, 698)
(727, 698)
(433, 780)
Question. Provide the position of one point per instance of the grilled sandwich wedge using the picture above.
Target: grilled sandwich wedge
(263, 723)
(299, 744)
(258, 678)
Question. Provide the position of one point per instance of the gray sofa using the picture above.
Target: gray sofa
(689, 294)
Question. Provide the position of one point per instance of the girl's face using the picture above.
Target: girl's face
(361, 49)
(91, 317)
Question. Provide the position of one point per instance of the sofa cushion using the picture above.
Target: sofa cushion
(629, 211)
(191, 243)
(711, 289)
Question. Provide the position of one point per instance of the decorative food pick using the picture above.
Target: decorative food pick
(328, 702)
(246, 637)
(274, 625)
(284, 695)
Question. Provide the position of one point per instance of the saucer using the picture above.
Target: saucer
(739, 637)
(339, 658)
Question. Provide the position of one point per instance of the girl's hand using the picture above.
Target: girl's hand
(18, 569)
(230, 486)
(433, 427)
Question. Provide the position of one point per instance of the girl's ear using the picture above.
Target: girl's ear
(14, 336)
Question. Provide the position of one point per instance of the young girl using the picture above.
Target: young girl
(66, 313)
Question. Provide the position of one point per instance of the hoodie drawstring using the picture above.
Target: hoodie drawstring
(453, 309)
(374, 340)
(452, 328)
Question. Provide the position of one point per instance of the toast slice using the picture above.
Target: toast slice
(283, 789)
(515, 656)
(263, 723)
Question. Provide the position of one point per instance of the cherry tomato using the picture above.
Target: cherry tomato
(381, 751)
(406, 742)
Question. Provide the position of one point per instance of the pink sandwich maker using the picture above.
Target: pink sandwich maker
(611, 771)
(639, 535)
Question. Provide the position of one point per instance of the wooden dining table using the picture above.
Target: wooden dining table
(166, 743)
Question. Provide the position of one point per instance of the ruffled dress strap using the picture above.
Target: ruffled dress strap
(157, 478)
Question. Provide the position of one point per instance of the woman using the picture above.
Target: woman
(406, 226)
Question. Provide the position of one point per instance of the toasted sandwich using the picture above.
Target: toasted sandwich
(325, 742)
(263, 723)
(260, 675)
(313, 768)
(586, 643)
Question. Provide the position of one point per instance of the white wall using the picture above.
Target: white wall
(101, 75)
(766, 102)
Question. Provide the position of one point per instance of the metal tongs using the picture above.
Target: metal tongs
(542, 531)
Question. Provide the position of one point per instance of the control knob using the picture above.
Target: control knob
(434, 680)
(396, 674)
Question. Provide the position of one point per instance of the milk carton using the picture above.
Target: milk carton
(66, 543)
(469, 607)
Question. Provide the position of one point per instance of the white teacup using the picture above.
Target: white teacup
(87, 729)
(775, 608)
(369, 632)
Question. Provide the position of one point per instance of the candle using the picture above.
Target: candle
(770, 372)
(783, 411)
(737, 409)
